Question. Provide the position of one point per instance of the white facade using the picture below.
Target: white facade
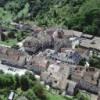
(75, 41)
(53, 68)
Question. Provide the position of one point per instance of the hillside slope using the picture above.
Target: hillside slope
(82, 15)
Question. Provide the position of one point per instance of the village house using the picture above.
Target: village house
(87, 78)
(31, 44)
(71, 88)
(72, 33)
(34, 44)
(12, 57)
(72, 37)
(89, 74)
(66, 32)
(84, 85)
(74, 41)
(70, 56)
(77, 74)
(38, 64)
(56, 40)
(60, 35)
(62, 42)
(90, 42)
(56, 76)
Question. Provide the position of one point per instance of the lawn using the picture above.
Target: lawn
(9, 42)
(57, 97)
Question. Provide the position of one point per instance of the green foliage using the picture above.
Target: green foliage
(5, 17)
(23, 13)
(22, 87)
(82, 96)
(15, 46)
(6, 81)
(94, 62)
(82, 62)
(30, 95)
(82, 15)
(1, 72)
(24, 83)
(17, 80)
(39, 91)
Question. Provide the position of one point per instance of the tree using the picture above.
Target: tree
(1, 72)
(17, 80)
(94, 62)
(30, 76)
(40, 92)
(23, 13)
(82, 96)
(7, 80)
(82, 62)
(15, 46)
(30, 95)
(24, 83)
(11, 35)
(82, 15)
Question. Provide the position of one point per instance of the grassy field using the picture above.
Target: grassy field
(57, 97)
(9, 42)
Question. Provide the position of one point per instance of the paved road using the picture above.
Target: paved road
(12, 70)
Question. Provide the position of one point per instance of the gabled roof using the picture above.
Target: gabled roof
(88, 87)
(12, 56)
(57, 79)
(39, 61)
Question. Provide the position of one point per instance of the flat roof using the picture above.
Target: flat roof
(87, 35)
(72, 33)
(91, 43)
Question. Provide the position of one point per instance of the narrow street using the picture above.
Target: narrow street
(12, 70)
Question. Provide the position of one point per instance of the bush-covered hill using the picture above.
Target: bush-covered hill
(83, 15)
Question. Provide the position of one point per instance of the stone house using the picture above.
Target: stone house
(77, 74)
(70, 56)
(90, 42)
(12, 57)
(56, 79)
(38, 64)
(90, 75)
(71, 88)
(84, 85)
(87, 78)
(31, 44)
(41, 42)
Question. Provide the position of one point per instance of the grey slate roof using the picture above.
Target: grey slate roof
(82, 84)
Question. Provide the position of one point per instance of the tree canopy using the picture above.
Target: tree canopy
(82, 15)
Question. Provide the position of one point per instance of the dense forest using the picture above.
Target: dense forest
(82, 15)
